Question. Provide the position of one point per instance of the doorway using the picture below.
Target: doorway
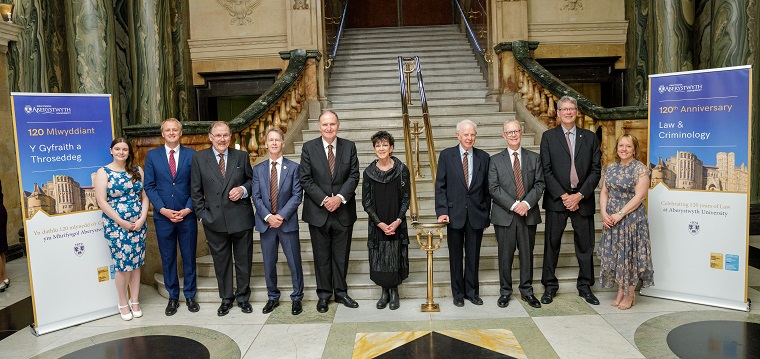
(389, 13)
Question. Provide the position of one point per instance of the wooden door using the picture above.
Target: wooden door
(426, 12)
(385, 13)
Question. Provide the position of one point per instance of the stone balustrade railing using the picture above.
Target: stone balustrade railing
(282, 105)
(539, 91)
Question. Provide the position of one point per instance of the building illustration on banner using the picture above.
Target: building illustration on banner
(685, 170)
(61, 194)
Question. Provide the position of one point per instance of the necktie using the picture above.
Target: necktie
(518, 178)
(172, 164)
(273, 181)
(573, 172)
(466, 169)
(331, 160)
(222, 166)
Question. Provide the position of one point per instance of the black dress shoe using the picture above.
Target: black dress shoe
(503, 301)
(269, 307)
(171, 308)
(532, 301)
(224, 309)
(296, 309)
(322, 305)
(548, 297)
(192, 305)
(245, 307)
(476, 300)
(347, 301)
(589, 297)
(459, 302)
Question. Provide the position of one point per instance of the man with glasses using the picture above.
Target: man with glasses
(571, 159)
(516, 182)
(220, 181)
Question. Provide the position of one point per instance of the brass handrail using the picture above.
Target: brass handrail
(413, 211)
(341, 25)
(482, 53)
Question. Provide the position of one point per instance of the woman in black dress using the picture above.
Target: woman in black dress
(385, 197)
(4, 281)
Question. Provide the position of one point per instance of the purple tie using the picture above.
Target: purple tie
(573, 172)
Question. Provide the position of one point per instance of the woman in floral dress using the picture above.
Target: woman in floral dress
(119, 192)
(624, 250)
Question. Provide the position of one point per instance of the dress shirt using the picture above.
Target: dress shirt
(278, 168)
(573, 131)
(227, 165)
(512, 161)
(335, 148)
(470, 165)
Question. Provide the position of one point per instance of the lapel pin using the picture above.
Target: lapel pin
(284, 167)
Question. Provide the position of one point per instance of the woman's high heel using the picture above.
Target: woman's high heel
(127, 316)
(5, 284)
(135, 313)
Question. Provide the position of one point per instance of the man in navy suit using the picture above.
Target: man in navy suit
(462, 199)
(276, 196)
(572, 168)
(329, 175)
(167, 184)
(220, 185)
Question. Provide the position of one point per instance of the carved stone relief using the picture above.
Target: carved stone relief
(573, 5)
(300, 4)
(239, 10)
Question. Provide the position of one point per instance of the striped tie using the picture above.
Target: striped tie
(331, 160)
(518, 178)
(273, 187)
(466, 169)
(222, 166)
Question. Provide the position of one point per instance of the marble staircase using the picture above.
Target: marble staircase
(364, 92)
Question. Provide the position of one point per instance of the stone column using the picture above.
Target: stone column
(92, 58)
(8, 169)
(721, 33)
(671, 23)
(152, 62)
(183, 71)
(509, 22)
(637, 12)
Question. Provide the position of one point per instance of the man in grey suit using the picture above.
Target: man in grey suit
(276, 196)
(516, 182)
(329, 176)
(220, 187)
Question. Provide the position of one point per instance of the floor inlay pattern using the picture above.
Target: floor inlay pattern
(478, 343)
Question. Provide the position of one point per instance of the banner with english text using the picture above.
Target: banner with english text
(698, 204)
(61, 141)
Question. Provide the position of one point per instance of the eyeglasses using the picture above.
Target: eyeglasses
(224, 136)
(512, 133)
(568, 109)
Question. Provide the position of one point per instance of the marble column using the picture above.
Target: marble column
(183, 71)
(671, 23)
(8, 169)
(753, 26)
(122, 14)
(721, 33)
(637, 13)
(153, 64)
(92, 58)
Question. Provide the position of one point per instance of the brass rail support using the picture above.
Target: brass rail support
(429, 247)
(416, 133)
(409, 67)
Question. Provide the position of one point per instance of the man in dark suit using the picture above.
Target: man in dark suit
(276, 196)
(572, 168)
(516, 182)
(462, 200)
(167, 184)
(329, 176)
(221, 183)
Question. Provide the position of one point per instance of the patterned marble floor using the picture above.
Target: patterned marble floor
(568, 328)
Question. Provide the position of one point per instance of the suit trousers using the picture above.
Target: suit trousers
(584, 238)
(223, 246)
(184, 234)
(464, 279)
(332, 245)
(292, 249)
(523, 237)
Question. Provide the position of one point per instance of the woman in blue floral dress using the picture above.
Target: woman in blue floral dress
(624, 250)
(119, 192)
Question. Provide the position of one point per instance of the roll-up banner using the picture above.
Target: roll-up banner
(61, 141)
(698, 205)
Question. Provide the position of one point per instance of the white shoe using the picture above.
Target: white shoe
(135, 313)
(127, 316)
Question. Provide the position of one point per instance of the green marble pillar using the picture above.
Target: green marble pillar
(183, 71)
(92, 58)
(153, 62)
(671, 24)
(121, 14)
(721, 33)
(637, 13)
(27, 75)
(754, 47)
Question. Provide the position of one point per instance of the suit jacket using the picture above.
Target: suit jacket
(453, 198)
(501, 182)
(289, 194)
(210, 191)
(163, 190)
(317, 183)
(555, 158)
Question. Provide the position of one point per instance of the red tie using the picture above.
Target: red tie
(172, 164)
(466, 169)
(222, 166)
(273, 187)
(331, 160)
(518, 178)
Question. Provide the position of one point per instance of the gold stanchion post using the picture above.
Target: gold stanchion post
(429, 247)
